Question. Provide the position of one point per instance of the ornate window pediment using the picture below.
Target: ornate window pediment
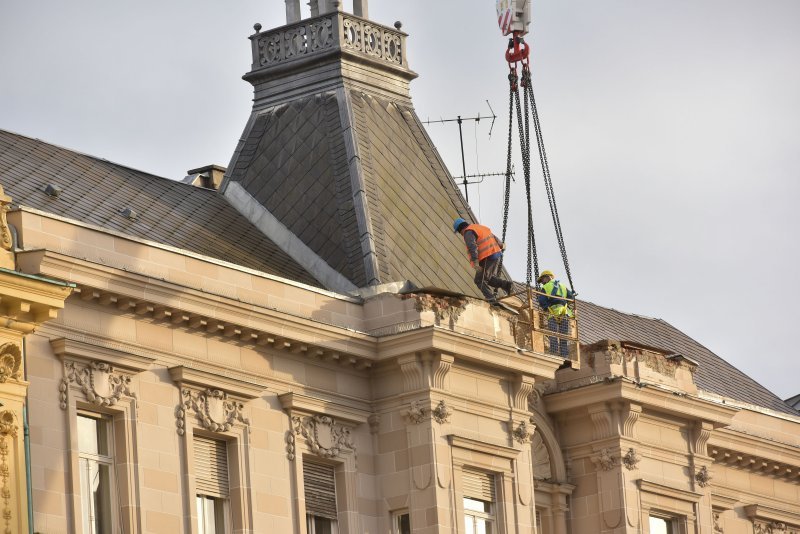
(103, 375)
(216, 401)
(326, 428)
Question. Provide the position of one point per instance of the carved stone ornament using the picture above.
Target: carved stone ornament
(5, 231)
(521, 434)
(416, 412)
(716, 516)
(631, 459)
(374, 421)
(98, 381)
(214, 410)
(8, 427)
(774, 527)
(703, 477)
(442, 412)
(10, 362)
(604, 460)
(323, 435)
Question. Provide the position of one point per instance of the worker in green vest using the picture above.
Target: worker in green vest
(554, 298)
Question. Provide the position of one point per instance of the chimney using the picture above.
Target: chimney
(208, 177)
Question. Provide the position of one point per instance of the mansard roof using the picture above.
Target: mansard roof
(713, 374)
(95, 191)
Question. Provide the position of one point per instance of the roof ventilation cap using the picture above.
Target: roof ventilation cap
(52, 190)
(129, 213)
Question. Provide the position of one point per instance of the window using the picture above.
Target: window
(211, 483)
(320, 493)
(479, 500)
(660, 525)
(96, 466)
(401, 522)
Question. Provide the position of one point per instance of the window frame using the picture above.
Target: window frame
(224, 502)
(99, 459)
(395, 517)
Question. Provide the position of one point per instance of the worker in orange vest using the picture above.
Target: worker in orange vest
(484, 251)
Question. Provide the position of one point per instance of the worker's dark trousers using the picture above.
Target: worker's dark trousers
(559, 346)
(486, 276)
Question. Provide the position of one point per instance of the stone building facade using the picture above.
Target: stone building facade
(268, 356)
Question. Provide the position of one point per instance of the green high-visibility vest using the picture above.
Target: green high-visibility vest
(555, 289)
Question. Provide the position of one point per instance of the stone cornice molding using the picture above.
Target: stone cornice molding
(207, 313)
(71, 349)
(202, 380)
(728, 440)
(485, 447)
(723, 502)
(669, 491)
(295, 403)
(30, 300)
(700, 435)
(773, 514)
(650, 397)
(601, 420)
(468, 348)
(754, 463)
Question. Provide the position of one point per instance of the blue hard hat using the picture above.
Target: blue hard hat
(457, 224)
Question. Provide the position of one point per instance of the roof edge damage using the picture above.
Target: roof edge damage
(292, 245)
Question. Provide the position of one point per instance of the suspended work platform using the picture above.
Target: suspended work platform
(537, 330)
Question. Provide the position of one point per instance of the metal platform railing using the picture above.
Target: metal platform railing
(538, 330)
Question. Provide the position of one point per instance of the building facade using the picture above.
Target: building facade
(267, 353)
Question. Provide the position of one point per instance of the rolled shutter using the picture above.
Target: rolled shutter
(478, 485)
(211, 467)
(320, 489)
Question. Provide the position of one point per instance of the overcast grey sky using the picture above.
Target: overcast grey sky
(672, 131)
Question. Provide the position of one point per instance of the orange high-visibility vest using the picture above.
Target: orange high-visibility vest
(485, 240)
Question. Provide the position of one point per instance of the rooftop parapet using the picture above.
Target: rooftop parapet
(333, 34)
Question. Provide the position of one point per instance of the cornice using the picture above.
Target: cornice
(296, 402)
(186, 376)
(668, 491)
(650, 397)
(723, 502)
(78, 350)
(463, 347)
(212, 314)
(30, 300)
(485, 447)
(754, 463)
(781, 515)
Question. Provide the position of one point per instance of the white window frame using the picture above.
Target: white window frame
(86, 458)
(396, 517)
(489, 517)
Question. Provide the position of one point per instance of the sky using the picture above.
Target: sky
(671, 129)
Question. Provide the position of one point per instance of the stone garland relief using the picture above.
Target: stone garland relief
(717, 518)
(631, 459)
(416, 412)
(604, 460)
(323, 435)
(703, 477)
(214, 410)
(10, 362)
(449, 308)
(98, 381)
(8, 428)
(441, 414)
(773, 527)
(521, 434)
(5, 232)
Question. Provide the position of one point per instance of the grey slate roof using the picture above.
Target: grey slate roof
(713, 374)
(169, 212)
(295, 162)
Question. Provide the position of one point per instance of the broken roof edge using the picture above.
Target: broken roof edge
(222, 263)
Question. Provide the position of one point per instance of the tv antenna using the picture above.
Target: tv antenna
(460, 120)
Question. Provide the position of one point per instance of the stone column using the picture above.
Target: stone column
(361, 8)
(292, 11)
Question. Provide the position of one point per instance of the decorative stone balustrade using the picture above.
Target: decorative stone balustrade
(327, 33)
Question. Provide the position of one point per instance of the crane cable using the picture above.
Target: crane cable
(517, 54)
